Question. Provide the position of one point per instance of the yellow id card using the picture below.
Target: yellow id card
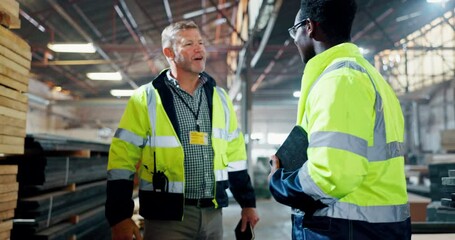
(199, 138)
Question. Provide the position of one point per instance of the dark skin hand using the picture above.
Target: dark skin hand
(275, 164)
(125, 230)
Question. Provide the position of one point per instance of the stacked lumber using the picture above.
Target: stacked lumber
(443, 210)
(9, 14)
(448, 140)
(15, 61)
(448, 188)
(8, 198)
(437, 172)
(62, 189)
(439, 158)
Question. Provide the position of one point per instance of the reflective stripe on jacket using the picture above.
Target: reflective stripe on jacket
(148, 135)
(355, 126)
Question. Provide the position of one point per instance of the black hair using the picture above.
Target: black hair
(335, 17)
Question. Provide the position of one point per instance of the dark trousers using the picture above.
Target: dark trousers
(322, 228)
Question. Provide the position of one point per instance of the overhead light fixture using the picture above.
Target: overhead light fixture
(296, 94)
(122, 92)
(436, 1)
(205, 11)
(107, 76)
(72, 47)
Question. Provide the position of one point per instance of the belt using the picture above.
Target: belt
(200, 203)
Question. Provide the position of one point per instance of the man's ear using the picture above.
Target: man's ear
(314, 30)
(168, 52)
(311, 28)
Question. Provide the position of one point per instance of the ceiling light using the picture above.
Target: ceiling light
(108, 76)
(296, 94)
(72, 47)
(205, 11)
(122, 92)
(437, 1)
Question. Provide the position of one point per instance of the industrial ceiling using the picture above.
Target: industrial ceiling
(126, 34)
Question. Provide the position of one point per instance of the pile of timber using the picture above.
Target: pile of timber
(437, 172)
(62, 189)
(448, 140)
(15, 59)
(443, 210)
(8, 198)
(9, 14)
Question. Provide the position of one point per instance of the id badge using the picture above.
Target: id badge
(199, 138)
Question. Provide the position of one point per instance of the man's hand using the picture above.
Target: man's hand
(275, 164)
(125, 230)
(249, 215)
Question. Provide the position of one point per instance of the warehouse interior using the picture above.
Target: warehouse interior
(57, 121)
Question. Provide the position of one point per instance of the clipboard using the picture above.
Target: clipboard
(293, 152)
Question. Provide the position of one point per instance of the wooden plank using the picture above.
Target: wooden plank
(12, 131)
(4, 139)
(10, 178)
(9, 187)
(5, 235)
(8, 169)
(4, 206)
(13, 94)
(5, 226)
(11, 149)
(7, 53)
(6, 214)
(11, 6)
(16, 67)
(15, 43)
(12, 121)
(6, 197)
(13, 104)
(12, 83)
(10, 73)
(13, 113)
(7, 20)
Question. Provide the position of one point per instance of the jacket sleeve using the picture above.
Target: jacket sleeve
(340, 122)
(124, 154)
(239, 180)
(286, 189)
(242, 189)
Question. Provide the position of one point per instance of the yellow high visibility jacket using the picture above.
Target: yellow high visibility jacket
(148, 135)
(355, 126)
(356, 131)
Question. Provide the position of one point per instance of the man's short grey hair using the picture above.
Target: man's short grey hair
(168, 34)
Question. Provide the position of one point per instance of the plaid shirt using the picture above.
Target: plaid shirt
(198, 162)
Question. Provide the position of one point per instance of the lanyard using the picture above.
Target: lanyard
(195, 114)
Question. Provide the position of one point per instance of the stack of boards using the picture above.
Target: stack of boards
(15, 61)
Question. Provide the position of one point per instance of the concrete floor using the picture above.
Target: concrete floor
(275, 222)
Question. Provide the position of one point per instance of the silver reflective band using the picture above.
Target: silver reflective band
(130, 137)
(351, 143)
(220, 133)
(372, 214)
(336, 209)
(237, 166)
(339, 140)
(120, 174)
(221, 175)
(163, 141)
(174, 187)
(234, 134)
